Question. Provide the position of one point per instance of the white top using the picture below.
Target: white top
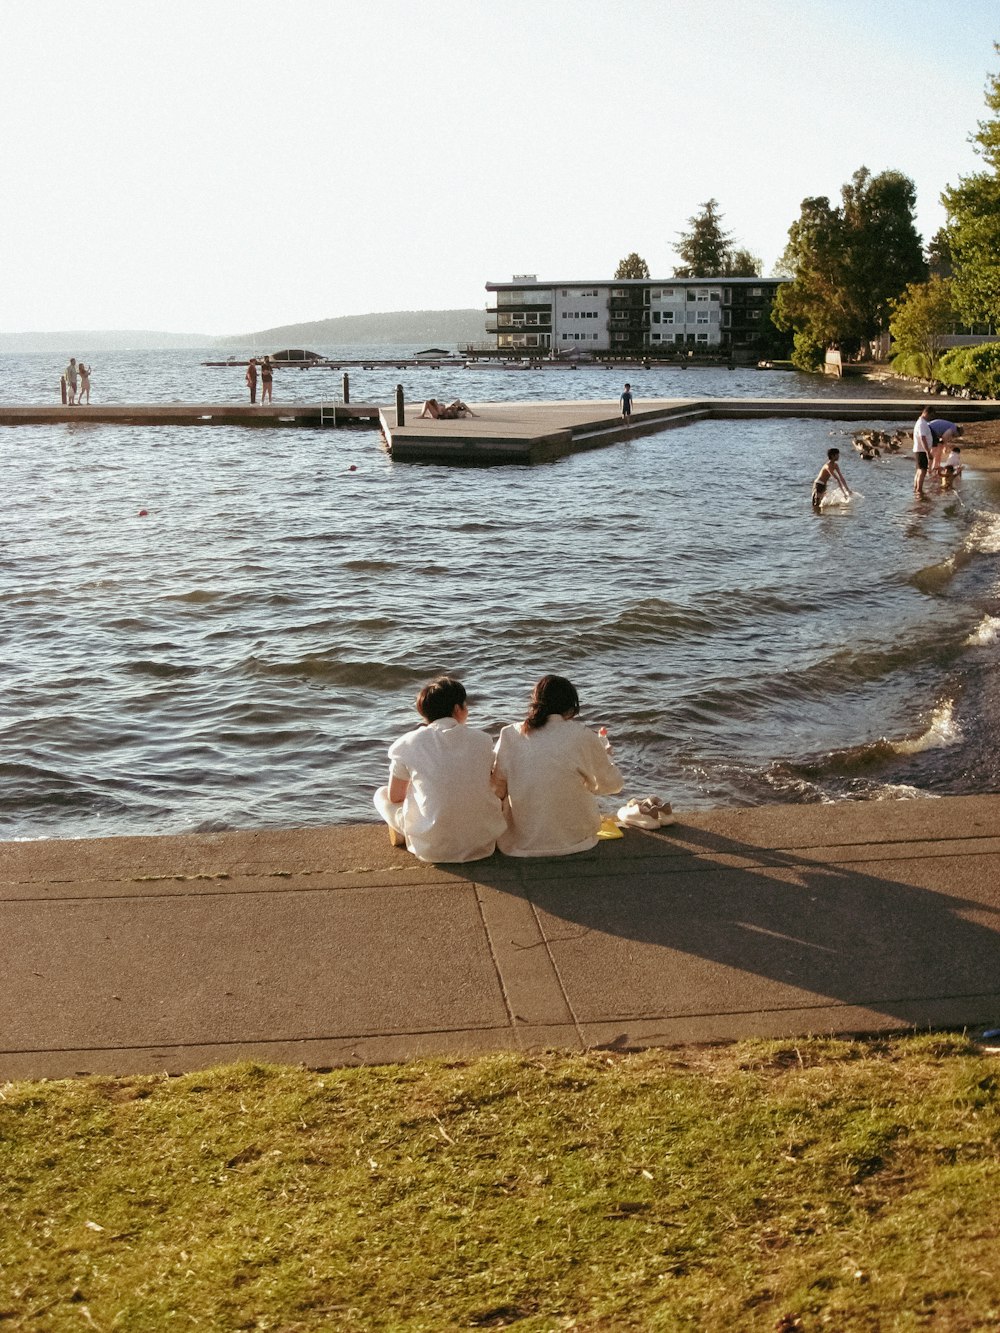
(450, 812)
(923, 436)
(552, 777)
(955, 461)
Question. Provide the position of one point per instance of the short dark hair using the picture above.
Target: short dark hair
(833, 453)
(440, 698)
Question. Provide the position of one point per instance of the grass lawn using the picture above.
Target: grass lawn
(779, 1186)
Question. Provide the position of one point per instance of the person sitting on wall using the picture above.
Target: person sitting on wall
(446, 411)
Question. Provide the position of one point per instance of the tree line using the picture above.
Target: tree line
(858, 268)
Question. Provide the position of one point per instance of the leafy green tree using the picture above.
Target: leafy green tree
(632, 266)
(848, 263)
(920, 319)
(743, 264)
(973, 227)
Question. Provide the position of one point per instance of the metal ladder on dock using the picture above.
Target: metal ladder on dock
(327, 414)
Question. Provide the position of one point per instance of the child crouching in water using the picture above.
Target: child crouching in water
(439, 799)
(829, 470)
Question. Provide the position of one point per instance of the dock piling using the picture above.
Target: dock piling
(400, 409)
(347, 387)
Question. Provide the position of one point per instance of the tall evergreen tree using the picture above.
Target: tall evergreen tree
(708, 251)
(706, 247)
(632, 266)
(973, 228)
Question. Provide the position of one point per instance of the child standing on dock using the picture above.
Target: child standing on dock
(626, 402)
(251, 378)
(829, 471)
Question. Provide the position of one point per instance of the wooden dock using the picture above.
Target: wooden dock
(539, 432)
(192, 414)
(498, 433)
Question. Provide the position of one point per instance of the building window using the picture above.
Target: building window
(703, 337)
(756, 291)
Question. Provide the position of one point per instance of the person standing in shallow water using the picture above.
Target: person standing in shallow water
(923, 447)
(251, 379)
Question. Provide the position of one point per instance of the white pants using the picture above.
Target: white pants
(392, 814)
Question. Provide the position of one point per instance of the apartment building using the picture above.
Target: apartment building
(633, 315)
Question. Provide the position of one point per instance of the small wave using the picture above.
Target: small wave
(933, 578)
(942, 732)
(368, 566)
(984, 538)
(161, 670)
(986, 632)
(335, 671)
(196, 595)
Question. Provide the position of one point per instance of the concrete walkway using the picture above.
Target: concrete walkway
(328, 946)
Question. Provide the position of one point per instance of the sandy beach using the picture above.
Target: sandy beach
(981, 445)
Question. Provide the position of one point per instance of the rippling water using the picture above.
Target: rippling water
(243, 654)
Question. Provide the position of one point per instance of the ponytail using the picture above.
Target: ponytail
(553, 695)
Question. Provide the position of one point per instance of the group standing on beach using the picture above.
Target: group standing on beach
(76, 378)
(453, 795)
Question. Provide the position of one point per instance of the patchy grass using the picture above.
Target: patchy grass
(779, 1186)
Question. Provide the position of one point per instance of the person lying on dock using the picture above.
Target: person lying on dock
(446, 411)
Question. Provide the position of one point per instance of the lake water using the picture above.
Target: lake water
(242, 655)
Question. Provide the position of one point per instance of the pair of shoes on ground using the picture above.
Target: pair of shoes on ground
(649, 812)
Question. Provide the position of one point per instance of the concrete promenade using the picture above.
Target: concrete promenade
(327, 946)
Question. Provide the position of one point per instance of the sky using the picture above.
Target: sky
(225, 166)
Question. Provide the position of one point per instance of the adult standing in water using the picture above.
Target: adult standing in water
(945, 434)
(251, 378)
(923, 444)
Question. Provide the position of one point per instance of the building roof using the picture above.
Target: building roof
(636, 282)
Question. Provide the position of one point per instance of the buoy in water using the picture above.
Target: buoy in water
(144, 513)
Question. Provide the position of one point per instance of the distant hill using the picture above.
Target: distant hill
(443, 328)
(74, 341)
(446, 328)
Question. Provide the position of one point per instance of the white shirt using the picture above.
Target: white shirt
(552, 776)
(923, 436)
(450, 812)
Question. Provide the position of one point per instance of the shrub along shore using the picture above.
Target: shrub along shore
(762, 1185)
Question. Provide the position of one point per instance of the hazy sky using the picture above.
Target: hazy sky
(220, 166)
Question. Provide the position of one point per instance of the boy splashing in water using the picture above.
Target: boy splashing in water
(829, 471)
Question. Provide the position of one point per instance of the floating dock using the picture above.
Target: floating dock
(539, 432)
